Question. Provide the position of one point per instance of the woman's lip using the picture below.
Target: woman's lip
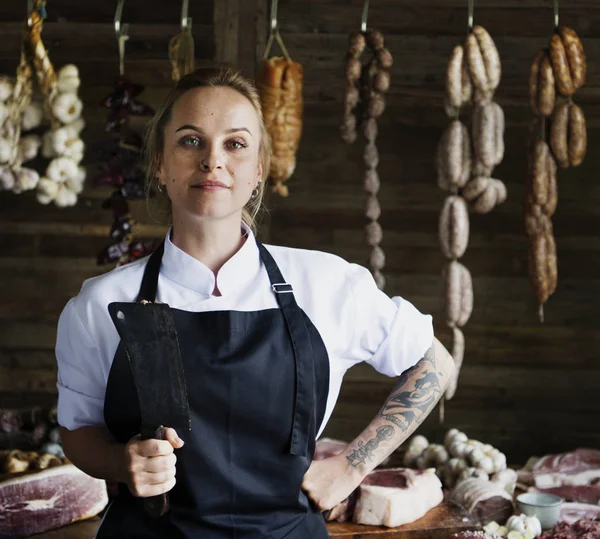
(210, 185)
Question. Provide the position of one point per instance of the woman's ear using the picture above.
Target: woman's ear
(259, 172)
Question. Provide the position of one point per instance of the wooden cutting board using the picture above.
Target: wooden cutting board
(439, 523)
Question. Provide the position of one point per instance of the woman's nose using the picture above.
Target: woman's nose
(212, 159)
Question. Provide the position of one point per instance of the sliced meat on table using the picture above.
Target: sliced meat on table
(36, 502)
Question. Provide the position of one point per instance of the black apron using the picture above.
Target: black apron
(257, 385)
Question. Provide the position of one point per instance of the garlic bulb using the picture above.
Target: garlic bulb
(6, 89)
(418, 443)
(66, 142)
(6, 151)
(3, 113)
(67, 108)
(507, 478)
(7, 179)
(65, 197)
(61, 169)
(26, 180)
(454, 436)
(524, 525)
(435, 455)
(33, 116)
(29, 146)
(415, 448)
(68, 79)
(47, 190)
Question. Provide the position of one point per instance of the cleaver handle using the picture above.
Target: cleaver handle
(155, 506)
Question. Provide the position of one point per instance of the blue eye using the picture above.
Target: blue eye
(237, 144)
(190, 141)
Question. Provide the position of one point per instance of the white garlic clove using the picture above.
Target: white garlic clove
(61, 169)
(48, 188)
(6, 151)
(75, 185)
(68, 79)
(487, 465)
(77, 126)
(27, 179)
(29, 146)
(67, 107)
(33, 116)
(6, 88)
(502, 531)
(7, 179)
(65, 197)
(491, 527)
(449, 437)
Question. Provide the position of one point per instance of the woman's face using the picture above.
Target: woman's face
(210, 162)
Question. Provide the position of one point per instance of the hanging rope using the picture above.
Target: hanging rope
(46, 76)
(470, 16)
(274, 34)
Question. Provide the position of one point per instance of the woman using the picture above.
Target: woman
(266, 335)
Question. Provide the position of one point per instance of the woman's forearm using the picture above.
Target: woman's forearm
(94, 451)
(413, 397)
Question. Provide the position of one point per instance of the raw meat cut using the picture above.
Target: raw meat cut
(395, 496)
(485, 500)
(579, 467)
(582, 529)
(36, 502)
(571, 493)
(571, 512)
(328, 447)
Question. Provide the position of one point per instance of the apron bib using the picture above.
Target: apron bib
(257, 385)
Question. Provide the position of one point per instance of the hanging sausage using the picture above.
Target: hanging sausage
(280, 82)
(465, 163)
(557, 72)
(364, 102)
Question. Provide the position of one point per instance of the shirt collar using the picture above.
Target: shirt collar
(187, 271)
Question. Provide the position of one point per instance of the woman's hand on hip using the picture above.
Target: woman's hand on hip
(330, 481)
(150, 464)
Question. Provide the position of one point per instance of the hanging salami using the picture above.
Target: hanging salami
(364, 102)
(465, 160)
(559, 140)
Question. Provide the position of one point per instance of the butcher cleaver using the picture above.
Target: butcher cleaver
(148, 333)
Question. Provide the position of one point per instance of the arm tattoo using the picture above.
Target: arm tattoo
(365, 451)
(410, 401)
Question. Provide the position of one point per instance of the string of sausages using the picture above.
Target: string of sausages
(364, 103)
(464, 167)
(557, 72)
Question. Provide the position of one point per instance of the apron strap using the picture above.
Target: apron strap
(150, 279)
(304, 405)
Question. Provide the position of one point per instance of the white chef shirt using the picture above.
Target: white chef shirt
(357, 321)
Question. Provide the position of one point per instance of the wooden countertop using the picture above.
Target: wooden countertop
(440, 523)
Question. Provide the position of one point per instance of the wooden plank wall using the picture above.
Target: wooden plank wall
(527, 388)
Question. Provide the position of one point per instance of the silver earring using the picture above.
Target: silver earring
(255, 191)
(160, 187)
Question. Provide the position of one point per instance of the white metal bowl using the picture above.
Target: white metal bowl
(544, 506)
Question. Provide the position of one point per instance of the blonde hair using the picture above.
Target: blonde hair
(159, 206)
